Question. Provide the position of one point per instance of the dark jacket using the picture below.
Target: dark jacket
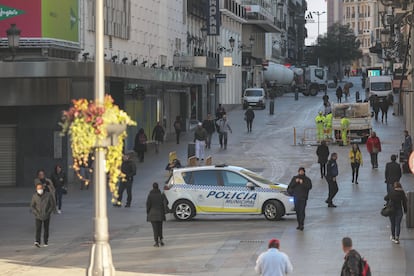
(200, 134)
(177, 126)
(156, 205)
(58, 179)
(323, 153)
(208, 125)
(392, 172)
(129, 168)
(352, 264)
(398, 199)
(43, 206)
(332, 168)
(158, 133)
(249, 114)
(339, 92)
(300, 191)
(140, 142)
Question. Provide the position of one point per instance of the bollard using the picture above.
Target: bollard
(357, 97)
(296, 94)
(294, 136)
(272, 107)
(410, 210)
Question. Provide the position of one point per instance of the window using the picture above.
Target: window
(319, 73)
(208, 177)
(234, 179)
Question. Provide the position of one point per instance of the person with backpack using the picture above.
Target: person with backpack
(158, 136)
(354, 264)
(140, 146)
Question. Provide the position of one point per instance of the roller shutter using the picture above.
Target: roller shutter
(7, 156)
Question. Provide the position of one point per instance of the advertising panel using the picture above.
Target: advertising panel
(41, 18)
(60, 19)
(24, 13)
(213, 17)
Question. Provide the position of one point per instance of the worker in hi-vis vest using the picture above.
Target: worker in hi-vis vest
(344, 130)
(319, 120)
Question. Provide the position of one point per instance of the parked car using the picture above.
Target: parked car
(223, 189)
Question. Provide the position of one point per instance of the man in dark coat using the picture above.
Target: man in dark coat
(42, 206)
(331, 174)
(339, 94)
(128, 168)
(299, 188)
(323, 153)
(392, 173)
(158, 136)
(352, 263)
(156, 206)
(249, 116)
(209, 126)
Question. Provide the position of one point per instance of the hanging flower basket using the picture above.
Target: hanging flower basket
(95, 126)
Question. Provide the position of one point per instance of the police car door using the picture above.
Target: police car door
(239, 198)
(208, 192)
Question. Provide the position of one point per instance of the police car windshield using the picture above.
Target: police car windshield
(257, 177)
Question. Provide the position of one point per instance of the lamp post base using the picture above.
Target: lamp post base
(100, 262)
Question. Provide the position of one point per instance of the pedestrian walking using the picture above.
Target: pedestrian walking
(42, 206)
(158, 136)
(249, 117)
(346, 90)
(200, 136)
(392, 173)
(209, 126)
(140, 145)
(177, 128)
(331, 174)
(407, 145)
(384, 105)
(325, 99)
(299, 188)
(323, 154)
(339, 94)
(399, 202)
(335, 79)
(273, 262)
(220, 111)
(319, 121)
(374, 147)
(223, 127)
(352, 264)
(129, 169)
(46, 182)
(156, 208)
(375, 106)
(58, 178)
(355, 158)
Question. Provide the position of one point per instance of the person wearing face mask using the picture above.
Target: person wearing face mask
(42, 206)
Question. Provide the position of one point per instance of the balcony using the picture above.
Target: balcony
(196, 62)
(259, 14)
(233, 10)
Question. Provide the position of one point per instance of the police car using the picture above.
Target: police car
(223, 189)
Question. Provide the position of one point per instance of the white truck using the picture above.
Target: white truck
(359, 115)
(315, 80)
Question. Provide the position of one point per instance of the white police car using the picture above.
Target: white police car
(223, 189)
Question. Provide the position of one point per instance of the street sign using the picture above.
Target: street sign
(220, 78)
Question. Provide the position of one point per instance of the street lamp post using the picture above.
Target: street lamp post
(100, 256)
(318, 14)
(13, 38)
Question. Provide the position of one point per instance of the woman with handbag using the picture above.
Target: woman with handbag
(355, 157)
(398, 201)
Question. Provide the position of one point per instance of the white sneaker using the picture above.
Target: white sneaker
(45, 245)
(59, 211)
(37, 244)
(392, 238)
(396, 240)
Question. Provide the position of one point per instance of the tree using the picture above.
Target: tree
(339, 45)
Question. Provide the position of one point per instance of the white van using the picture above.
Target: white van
(379, 85)
(254, 97)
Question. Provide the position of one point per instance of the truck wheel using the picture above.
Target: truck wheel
(313, 91)
(305, 93)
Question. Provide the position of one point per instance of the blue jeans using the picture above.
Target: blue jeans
(59, 194)
(395, 220)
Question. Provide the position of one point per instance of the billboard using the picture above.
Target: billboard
(41, 18)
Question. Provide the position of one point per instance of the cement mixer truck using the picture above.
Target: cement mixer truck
(278, 79)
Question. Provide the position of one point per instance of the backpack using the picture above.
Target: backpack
(365, 269)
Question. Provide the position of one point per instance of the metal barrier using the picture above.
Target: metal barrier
(310, 136)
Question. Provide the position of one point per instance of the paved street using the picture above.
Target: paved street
(227, 245)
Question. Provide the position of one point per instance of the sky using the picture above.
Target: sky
(314, 6)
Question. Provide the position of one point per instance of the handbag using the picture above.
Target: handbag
(64, 190)
(388, 209)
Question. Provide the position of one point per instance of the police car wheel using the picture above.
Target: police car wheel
(184, 210)
(273, 210)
